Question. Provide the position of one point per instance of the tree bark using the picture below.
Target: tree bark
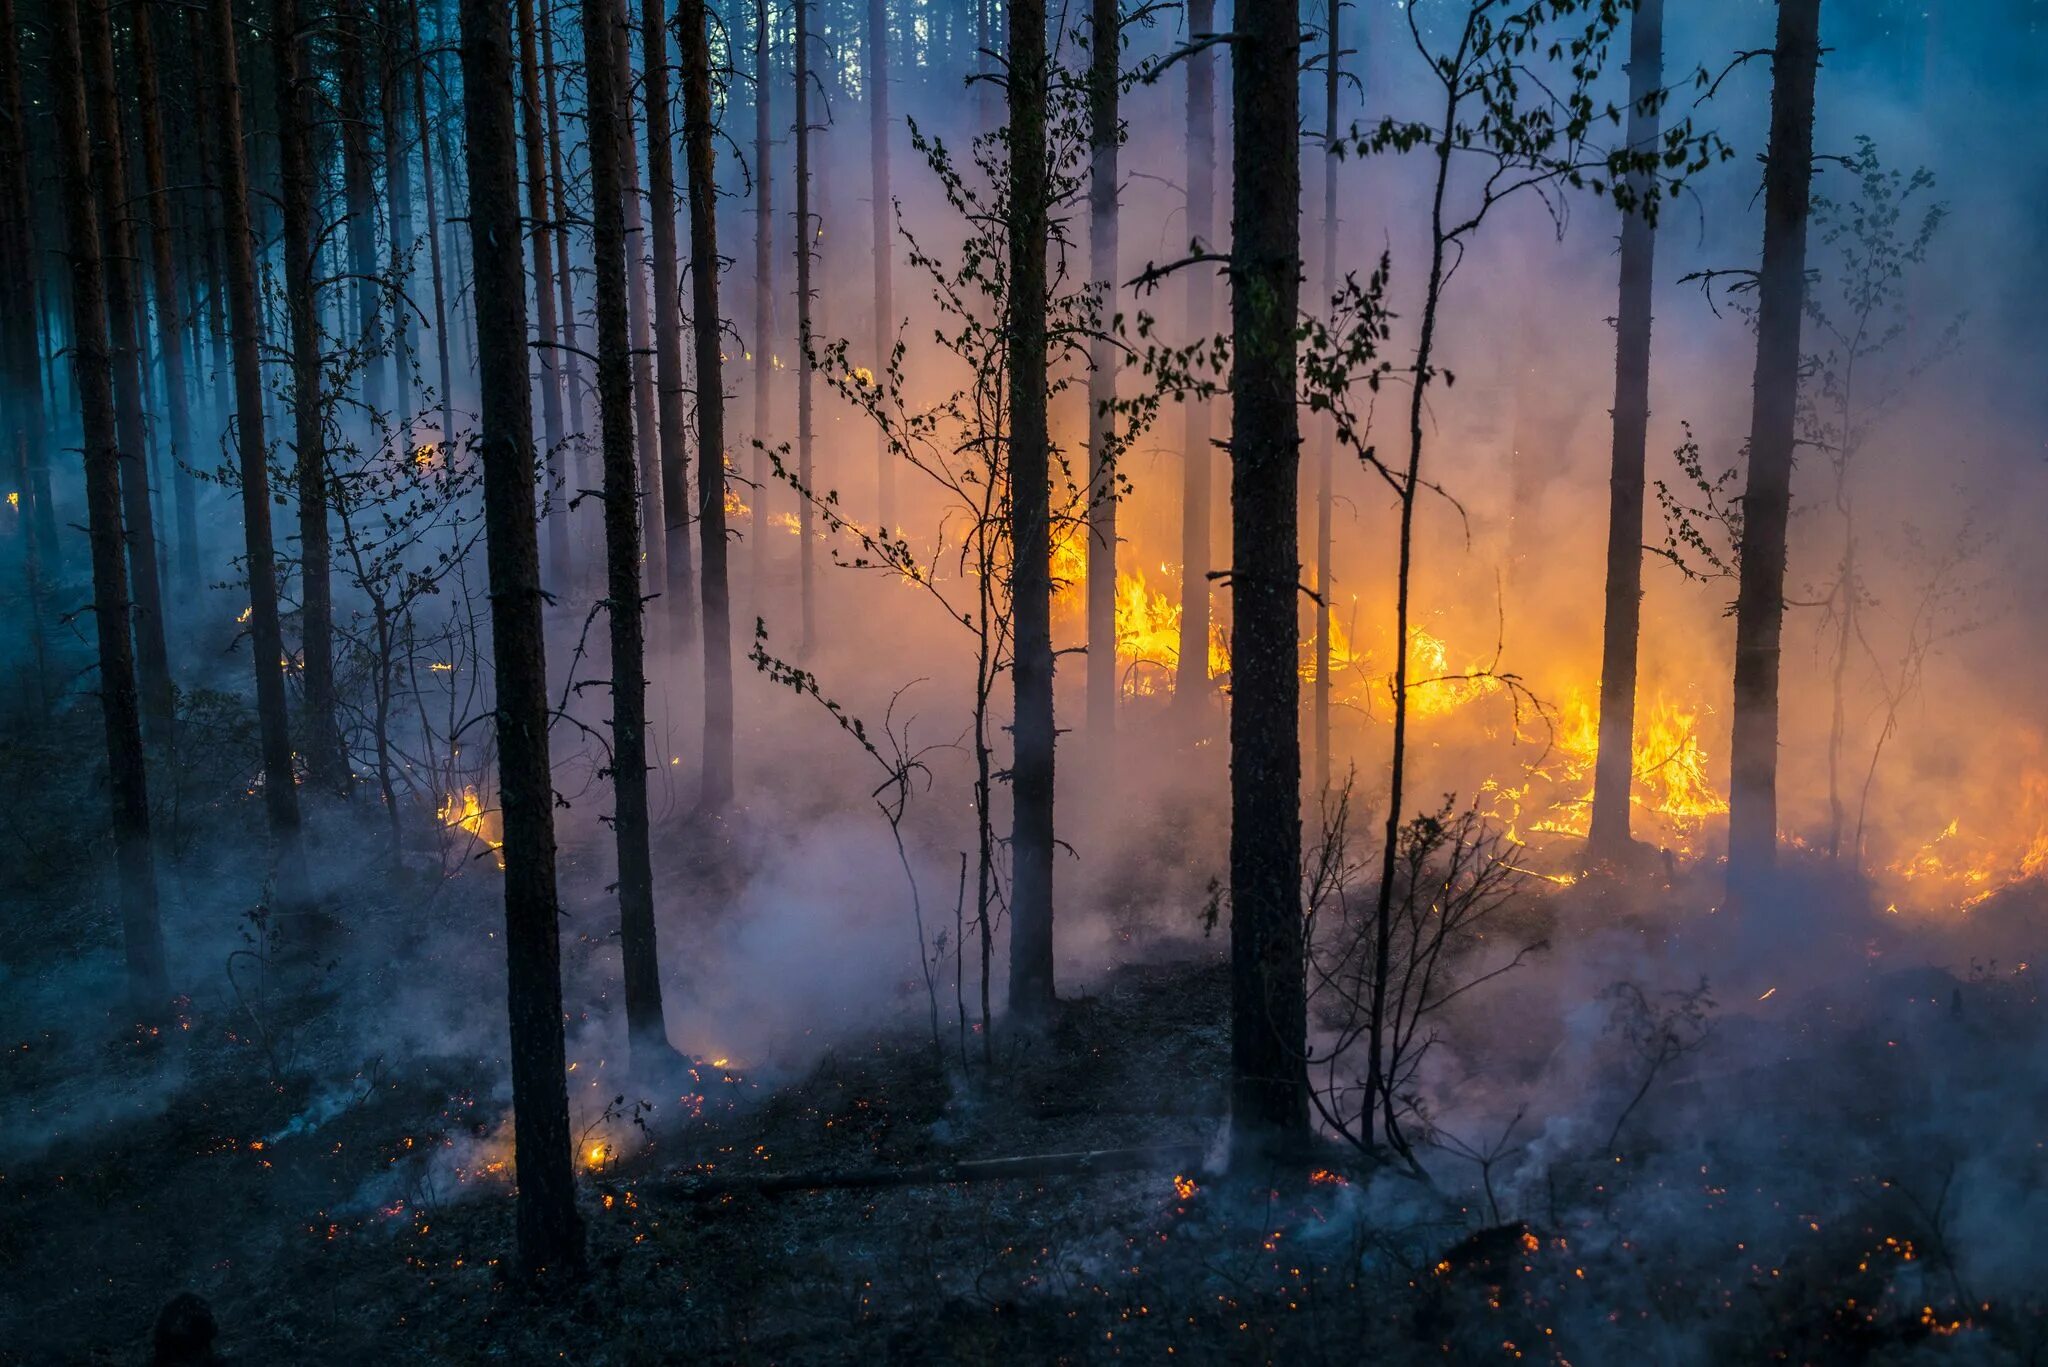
(668, 322)
(266, 638)
(1105, 134)
(424, 123)
(654, 528)
(359, 195)
(326, 765)
(21, 267)
(1326, 443)
(559, 554)
(1031, 768)
(550, 1230)
(1767, 497)
(572, 371)
(692, 19)
(1269, 1083)
(103, 94)
(805, 239)
(142, 936)
(764, 289)
(1191, 676)
(397, 206)
(648, 1042)
(1614, 769)
(877, 75)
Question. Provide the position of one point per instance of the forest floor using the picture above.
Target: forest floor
(1852, 1179)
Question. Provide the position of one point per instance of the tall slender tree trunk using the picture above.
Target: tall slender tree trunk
(559, 554)
(1031, 768)
(23, 370)
(135, 868)
(1326, 442)
(1767, 498)
(764, 287)
(109, 165)
(424, 122)
(1614, 770)
(1191, 676)
(1268, 1032)
(572, 371)
(607, 102)
(359, 195)
(692, 18)
(266, 638)
(654, 527)
(668, 321)
(877, 75)
(326, 765)
(164, 276)
(396, 36)
(1105, 135)
(805, 241)
(550, 1231)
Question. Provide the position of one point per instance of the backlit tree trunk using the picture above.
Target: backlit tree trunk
(359, 196)
(1191, 678)
(1767, 498)
(424, 123)
(550, 1231)
(266, 639)
(1326, 443)
(1104, 134)
(877, 75)
(1614, 771)
(532, 116)
(653, 526)
(622, 537)
(764, 288)
(1268, 1033)
(805, 239)
(668, 323)
(395, 41)
(694, 42)
(135, 869)
(1031, 769)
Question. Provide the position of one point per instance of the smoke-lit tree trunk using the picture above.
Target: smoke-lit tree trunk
(397, 201)
(550, 1231)
(359, 197)
(764, 287)
(877, 74)
(1767, 497)
(572, 365)
(1326, 443)
(325, 764)
(103, 94)
(1105, 132)
(424, 124)
(1191, 675)
(266, 638)
(668, 322)
(543, 286)
(1031, 768)
(607, 102)
(19, 271)
(1614, 770)
(164, 276)
(805, 238)
(135, 868)
(1268, 1010)
(653, 527)
(694, 42)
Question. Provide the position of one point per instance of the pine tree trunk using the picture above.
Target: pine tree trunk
(1105, 134)
(877, 76)
(1031, 769)
(668, 322)
(358, 195)
(397, 203)
(550, 1230)
(1191, 677)
(109, 164)
(164, 272)
(692, 17)
(1326, 443)
(607, 102)
(764, 290)
(559, 555)
(1269, 1084)
(1767, 498)
(142, 936)
(424, 122)
(572, 371)
(1614, 770)
(23, 372)
(653, 527)
(326, 766)
(266, 638)
(805, 238)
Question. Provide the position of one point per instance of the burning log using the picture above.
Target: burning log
(1082, 1163)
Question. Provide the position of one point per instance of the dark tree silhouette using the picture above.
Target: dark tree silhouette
(550, 1231)
(1105, 134)
(681, 587)
(876, 72)
(534, 125)
(1191, 676)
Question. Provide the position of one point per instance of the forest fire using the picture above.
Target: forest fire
(1049, 576)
